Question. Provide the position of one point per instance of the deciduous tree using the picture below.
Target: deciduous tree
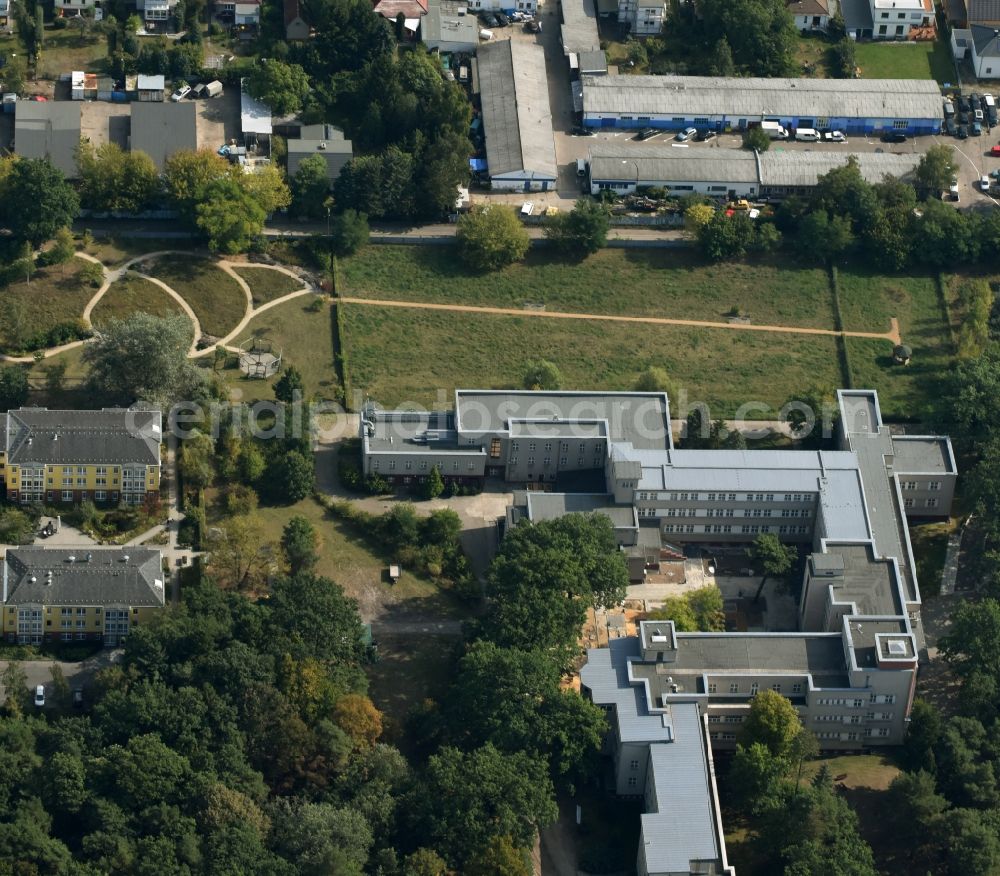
(112, 179)
(774, 557)
(773, 722)
(283, 87)
(35, 199)
(300, 542)
(491, 237)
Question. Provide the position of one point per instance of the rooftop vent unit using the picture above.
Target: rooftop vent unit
(71, 558)
(897, 647)
(321, 146)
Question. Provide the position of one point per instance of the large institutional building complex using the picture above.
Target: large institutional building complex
(107, 456)
(850, 667)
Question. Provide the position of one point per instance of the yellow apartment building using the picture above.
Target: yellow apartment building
(59, 594)
(110, 456)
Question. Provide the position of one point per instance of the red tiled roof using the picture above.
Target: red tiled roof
(410, 8)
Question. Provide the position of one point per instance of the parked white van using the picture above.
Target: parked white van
(774, 130)
(485, 35)
(807, 135)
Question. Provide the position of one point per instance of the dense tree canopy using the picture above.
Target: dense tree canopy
(35, 199)
(545, 577)
(115, 180)
(490, 238)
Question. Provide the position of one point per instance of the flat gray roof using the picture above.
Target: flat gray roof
(867, 582)
(818, 653)
(614, 161)
(120, 576)
(712, 96)
(516, 117)
(681, 828)
(641, 420)
(801, 168)
(920, 454)
(414, 432)
(550, 506)
(579, 27)
(48, 129)
(324, 140)
(162, 128)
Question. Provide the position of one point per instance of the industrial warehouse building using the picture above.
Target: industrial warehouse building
(520, 148)
(909, 106)
(730, 173)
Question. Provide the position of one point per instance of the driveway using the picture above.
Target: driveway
(77, 674)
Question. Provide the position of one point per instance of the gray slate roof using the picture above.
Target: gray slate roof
(985, 38)
(857, 14)
(162, 128)
(323, 140)
(106, 578)
(114, 436)
(551, 506)
(735, 97)
(50, 130)
(515, 97)
(985, 11)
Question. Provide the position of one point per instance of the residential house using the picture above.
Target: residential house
(981, 46)
(326, 141)
(52, 595)
(412, 10)
(809, 15)
(242, 13)
(155, 12)
(161, 129)
(70, 8)
(296, 27)
(108, 456)
(893, 19)
(5, 14)
(642, 17)
(48, 129)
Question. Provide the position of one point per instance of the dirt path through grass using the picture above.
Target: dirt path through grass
(892, 335)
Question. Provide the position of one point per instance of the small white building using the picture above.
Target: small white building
(892, 19)
(809, 15)
(529, 6)
(981, 45)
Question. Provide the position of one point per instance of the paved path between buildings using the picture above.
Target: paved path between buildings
(949, 574)
(892, 335)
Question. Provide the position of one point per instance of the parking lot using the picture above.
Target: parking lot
(971, 156)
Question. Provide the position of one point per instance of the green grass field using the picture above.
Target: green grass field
(53, 295)
(907, 60)
(266, 285)
(115, 251)
(133, 294)
(214, 296)
(867, 302)
(399, 355)
(646, 282)
(306, 340)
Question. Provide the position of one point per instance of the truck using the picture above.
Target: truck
(213, 88)
(774, 130)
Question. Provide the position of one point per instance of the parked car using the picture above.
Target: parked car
(963, 104)
(533, 26)
(991, 115)
(951, 127)
(949, 108)
(894, 137)
(40, 696)
(645, 134)
(706, 135)
(686, 134)
(835, 137)
(984, 183)
(995, 149)
(978, 115)
(582, 131)
(976, 129)
(963, 132)
(502, 20)
(180, 93)
(953, 188)
(78, 698)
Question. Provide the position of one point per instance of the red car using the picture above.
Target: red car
(995, 150)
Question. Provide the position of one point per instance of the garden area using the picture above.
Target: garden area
(44, 309)
(133, 294)
(906, 60)
(215, 297)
